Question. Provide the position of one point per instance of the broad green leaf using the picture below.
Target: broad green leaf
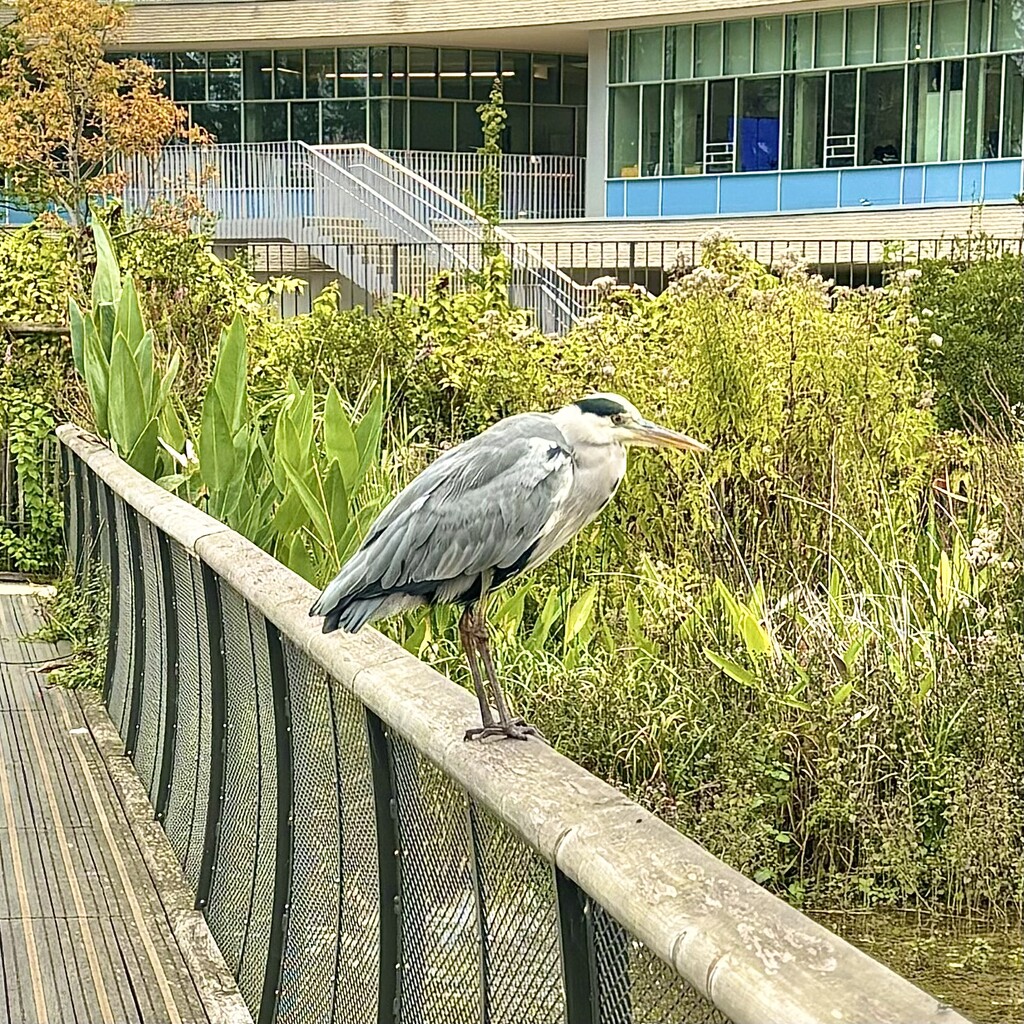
(229, 376)
(217, 459)
(339, 440)
(367, 433)
(293, 553)
(300, 413)
(510, 613)
(545, 620)
(731, 669)
(579, 614)
(77, 323)
(106, 282)
(336, 502)
(128, 319)
(103, 315)
(310, 501)
(163, 391)
(128, 412)
(97, 381)
(290, 515)
(142, 456)
(754, 634)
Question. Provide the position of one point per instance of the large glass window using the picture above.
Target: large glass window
(683, 150)
(624, 132)
(767, 44)
(828, 39)
(547, 78)
(1007, 25)
(225, 77)
(721, 120)
(841, 142)
(554, 130)
(860, 36)
(679, 51)
(352, 72)
(288, 74)
(1013, 104)
(454, 74)
(804, 143)
(799, 41)
(707, 50)
(431, 125)
(924, 112)
(881, 116)
(321, 74)
(981, 108)
(949, 28)
(222, 120)
(266, 122)
(645, 50)
(344, 121)
(257, 73)
(924, 81)
(892, 33)
(190, 76)
(738, 47)
(759, 108)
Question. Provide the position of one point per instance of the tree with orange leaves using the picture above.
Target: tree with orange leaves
(68, 114)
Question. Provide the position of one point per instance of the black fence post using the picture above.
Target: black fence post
(285, 846)
(138, 637)
(476, 873)
(113, 638)
(171, 683)
(579, 960)
(218, 725)
(388, 872)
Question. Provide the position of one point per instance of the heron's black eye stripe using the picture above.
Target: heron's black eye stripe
(554, 451)
(600, 406)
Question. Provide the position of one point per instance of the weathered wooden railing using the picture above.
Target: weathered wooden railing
(358, 862)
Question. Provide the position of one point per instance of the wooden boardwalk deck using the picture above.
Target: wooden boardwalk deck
(85, 935)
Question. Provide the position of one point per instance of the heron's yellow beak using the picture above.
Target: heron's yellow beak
(650, 435)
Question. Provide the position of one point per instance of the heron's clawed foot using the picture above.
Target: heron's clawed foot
(517, 729)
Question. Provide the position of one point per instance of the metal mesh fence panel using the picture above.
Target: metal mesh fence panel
(636, 987)
(441, 964)
(185, 817)
(241, 895)
(149, 745)
(520, 940)
(329, 973)
(119, 700)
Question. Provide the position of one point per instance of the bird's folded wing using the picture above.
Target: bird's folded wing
(480, 507)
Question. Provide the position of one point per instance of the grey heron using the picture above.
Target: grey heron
(483, 512)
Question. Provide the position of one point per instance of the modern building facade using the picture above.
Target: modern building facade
(683, 109)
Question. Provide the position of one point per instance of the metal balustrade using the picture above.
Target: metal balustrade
(318, 197)
(358, 862)
(531, 186)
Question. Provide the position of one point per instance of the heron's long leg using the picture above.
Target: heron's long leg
(515, 729)
(467, 633)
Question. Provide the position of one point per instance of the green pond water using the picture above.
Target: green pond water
(976, 967)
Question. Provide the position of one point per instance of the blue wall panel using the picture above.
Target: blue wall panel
(643, 198)
(1002, 179)
(810, 190)
(942, 183)
(695, 194)
(870, 186)
(971, 183)
(749, 193)
(913, 184)
(615, 199)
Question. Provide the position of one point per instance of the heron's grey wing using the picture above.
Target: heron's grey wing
(479, 509)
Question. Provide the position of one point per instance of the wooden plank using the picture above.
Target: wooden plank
(84, 935)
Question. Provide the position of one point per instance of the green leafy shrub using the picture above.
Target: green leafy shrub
(973, 307)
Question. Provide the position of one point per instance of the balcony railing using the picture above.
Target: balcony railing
(531, 186)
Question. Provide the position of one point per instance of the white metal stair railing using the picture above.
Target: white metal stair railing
(286, 190)
(531, 185)
(536, 283)
(290, 190)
